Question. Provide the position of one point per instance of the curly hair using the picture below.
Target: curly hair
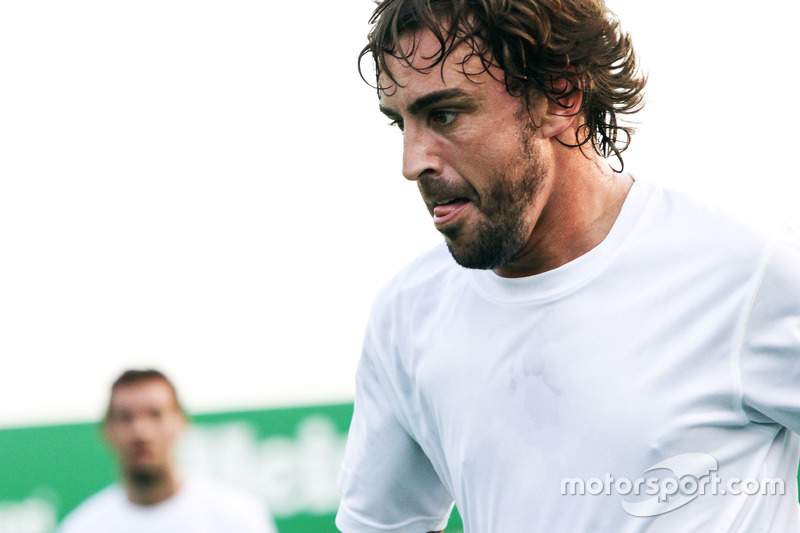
(535, 43)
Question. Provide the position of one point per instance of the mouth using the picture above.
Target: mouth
(142, 451)
(446, 211)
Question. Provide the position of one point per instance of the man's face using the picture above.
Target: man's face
(472, 149)
(142, 426)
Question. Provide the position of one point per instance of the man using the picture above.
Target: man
(590, 353)
(143, 421)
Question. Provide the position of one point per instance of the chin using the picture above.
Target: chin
(472, 258)
(487, 252)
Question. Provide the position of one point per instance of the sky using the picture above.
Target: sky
(207, 187)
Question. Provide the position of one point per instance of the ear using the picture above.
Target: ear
(563, 107)
(181, 424)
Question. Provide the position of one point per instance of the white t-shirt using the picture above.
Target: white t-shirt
(201, 505)
(675, 344)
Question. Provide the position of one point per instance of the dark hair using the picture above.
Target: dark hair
(535, 43)
(133, 377)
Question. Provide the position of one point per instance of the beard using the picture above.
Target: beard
(145, 477)
(502, 232)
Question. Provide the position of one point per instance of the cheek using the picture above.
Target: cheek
(485, 169)
(173, 429)
(491, 150)
(118, 439)
(470, 160)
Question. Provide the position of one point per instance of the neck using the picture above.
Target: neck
(577, 207)
(151, 488)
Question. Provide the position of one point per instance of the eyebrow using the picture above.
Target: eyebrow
(428, 100)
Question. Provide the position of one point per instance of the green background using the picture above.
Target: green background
(65, 464)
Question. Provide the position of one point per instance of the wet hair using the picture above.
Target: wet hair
(134, 377)
(536, 43)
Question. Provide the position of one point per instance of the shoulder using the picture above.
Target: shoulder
(779, 279)
(228, 506)
(785, 251)
(710, 219)
(705, 231)
(420, 277)
(212, 490)
(94, 513)
(425, 270)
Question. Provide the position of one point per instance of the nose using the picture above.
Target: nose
(141, 427)
(420, 157)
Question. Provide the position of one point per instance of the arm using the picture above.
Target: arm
(770, 349)
(386, 480)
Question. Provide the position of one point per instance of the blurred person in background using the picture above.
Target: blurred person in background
(142, 425)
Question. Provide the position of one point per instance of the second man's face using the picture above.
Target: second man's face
(142, 426)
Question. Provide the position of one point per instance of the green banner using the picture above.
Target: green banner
(287, 457)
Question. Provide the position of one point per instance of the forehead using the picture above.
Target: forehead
(150, 394)
(461, 69)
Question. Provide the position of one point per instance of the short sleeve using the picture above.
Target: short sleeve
(386, 480)
(770, 357)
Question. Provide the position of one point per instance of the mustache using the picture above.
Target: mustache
(437, 187)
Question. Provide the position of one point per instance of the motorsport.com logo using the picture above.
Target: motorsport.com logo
(683, 478)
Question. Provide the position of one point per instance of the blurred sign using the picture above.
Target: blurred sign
(287, 457)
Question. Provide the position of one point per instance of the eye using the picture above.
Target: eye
(121, 416)
(397, 122)
(443, 118)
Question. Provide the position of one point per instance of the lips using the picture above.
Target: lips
(446, 199)
(446, 211)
